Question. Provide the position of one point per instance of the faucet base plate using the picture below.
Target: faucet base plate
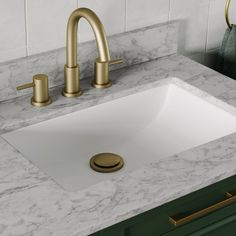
(70, 95)
(41, 104)
(109, 84)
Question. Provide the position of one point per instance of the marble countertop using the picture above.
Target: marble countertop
(31, 203)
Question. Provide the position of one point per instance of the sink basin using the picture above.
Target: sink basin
(142, 128)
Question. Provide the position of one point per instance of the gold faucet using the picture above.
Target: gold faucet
(41, 96)
(71, 69)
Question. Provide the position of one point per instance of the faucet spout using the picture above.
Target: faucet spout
(99, 32)
(71, 69)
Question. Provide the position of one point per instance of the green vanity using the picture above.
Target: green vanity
(210, 211)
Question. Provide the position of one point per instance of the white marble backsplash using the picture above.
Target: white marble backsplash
(133, 47)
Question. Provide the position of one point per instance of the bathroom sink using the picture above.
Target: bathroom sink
(142, 128)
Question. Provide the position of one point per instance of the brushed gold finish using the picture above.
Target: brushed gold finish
(180, 219)
(101, 79)
(227, 7)
(41, 104)
(71, 69)
(25, 86)
(106, 162)
(72, 85)
(40, 90)
(116, 61)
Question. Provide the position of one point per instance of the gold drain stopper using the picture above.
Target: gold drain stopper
(106, 162)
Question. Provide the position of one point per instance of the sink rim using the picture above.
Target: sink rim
(167, 84)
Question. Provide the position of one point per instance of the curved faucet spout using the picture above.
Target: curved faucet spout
(98, 29)
(71, 69)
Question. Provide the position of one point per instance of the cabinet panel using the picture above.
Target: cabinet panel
(227, 227)
(156, 222)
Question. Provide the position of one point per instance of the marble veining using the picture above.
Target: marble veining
(31, 203)
(133, 47)
(18, 112)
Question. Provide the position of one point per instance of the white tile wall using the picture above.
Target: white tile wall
(141, 13)
(32, 26)
(12, 28)
(110, 12)
(193, 31)
(46, 23)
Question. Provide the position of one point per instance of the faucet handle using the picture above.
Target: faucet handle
(116, 61)
(40, 90)
(25, 86)
(101, 79)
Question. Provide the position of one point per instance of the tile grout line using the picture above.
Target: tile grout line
(26, 28)
(125, 28)
(208, 27)
(169, 10)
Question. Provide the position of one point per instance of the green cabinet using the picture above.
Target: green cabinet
(157, 222)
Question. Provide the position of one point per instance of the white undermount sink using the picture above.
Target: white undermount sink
(142, 128)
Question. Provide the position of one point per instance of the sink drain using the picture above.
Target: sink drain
(106, 162)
